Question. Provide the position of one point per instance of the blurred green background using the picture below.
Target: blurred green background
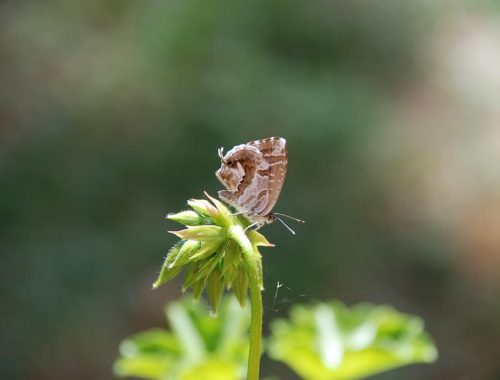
(111, 114)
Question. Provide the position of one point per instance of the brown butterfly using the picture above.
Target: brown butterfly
(253, 175)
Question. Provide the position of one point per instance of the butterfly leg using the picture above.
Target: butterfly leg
(238, 213)
(258, 225)
(252, 225)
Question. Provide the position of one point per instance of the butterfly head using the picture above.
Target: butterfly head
(269, 218)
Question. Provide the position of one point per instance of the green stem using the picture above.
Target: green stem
(254, 281)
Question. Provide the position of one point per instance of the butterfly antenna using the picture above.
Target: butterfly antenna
(238, 213)
(220, 151)
(290, 217)
(289, 229)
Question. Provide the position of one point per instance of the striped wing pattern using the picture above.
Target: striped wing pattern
(253, 175)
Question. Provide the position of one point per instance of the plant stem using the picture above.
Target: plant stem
(251, 258)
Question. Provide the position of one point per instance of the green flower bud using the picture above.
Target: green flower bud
(167, 273)
(211, 249)
(202, 206)
(215, 289)
(207, 232)
(208, 266)
(258, 240)
(189, 248)
(207, 249)
(240, 287)
(188, 218)
(191, 276)
(222, 216)
(232, 263)
(199, 287)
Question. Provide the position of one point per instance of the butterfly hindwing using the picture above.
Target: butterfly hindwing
(274, 151)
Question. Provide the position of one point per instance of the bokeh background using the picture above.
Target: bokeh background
(111, 113)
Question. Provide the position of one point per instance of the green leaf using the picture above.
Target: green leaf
(144, 367)
(188, 249)
(186, 331)
(167, 273)
(200, 347)
(198, 272)
(189, 218)
(205, 232)
(154, 341)
(240, 287)
(330, 341)
(223, 216)
(213, 370)
(229, 275)
(232, 262)
(215, 289)
(148, 355)
(199, 287)
(202, 206)
(208, 266)
(207, 248)
(191, 276)
(258, 239)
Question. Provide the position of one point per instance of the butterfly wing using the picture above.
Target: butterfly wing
(274, 151)
(253, 175)
(240, 173)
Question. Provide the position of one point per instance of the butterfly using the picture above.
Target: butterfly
(253, 175)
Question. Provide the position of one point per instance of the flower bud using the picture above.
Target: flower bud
(206, 232)
(240, 287)
(211, 249)
(232, 263)
(188, 218)
(202, 206)
(199, 287)
(215, 289)
(208, 248)
(208, 266)
(222, 216)
(189, 248)
(191, 276)
(258, 240)
(167, 273)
